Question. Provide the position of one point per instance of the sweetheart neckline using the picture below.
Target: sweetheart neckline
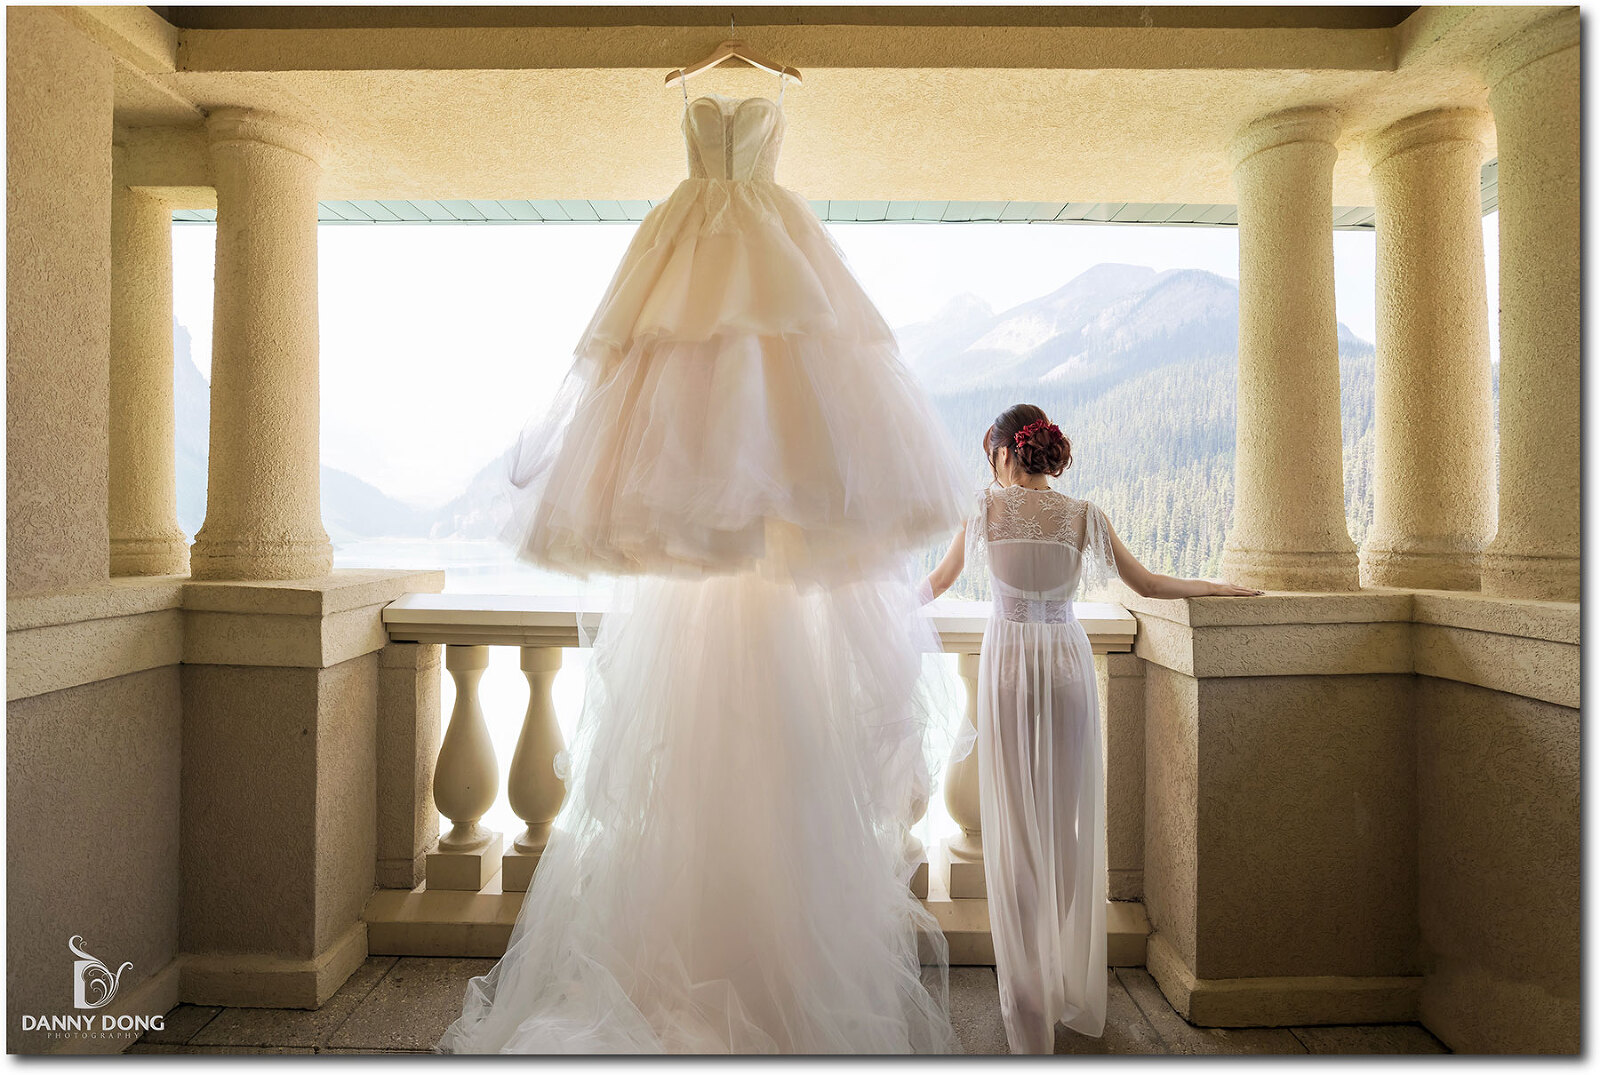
(739, 102)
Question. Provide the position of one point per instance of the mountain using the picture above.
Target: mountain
(1107, 322)
(1138, 368)
(928, 344)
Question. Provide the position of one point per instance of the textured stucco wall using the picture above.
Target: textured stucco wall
(278, 857)
(1122, 693)
(58, 301)
(1171, 745)
(1307, 827)
(1498, 789)
(92, 837)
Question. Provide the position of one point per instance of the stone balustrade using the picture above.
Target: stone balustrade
(466, 780)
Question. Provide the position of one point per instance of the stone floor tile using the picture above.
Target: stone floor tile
(1385, 1038)
(218, 1050)
(180, 1025)
(411, 1006)
(297, 1027)
(1182, 1036)
(1127, 1031)
(975, 1011)
(375, 1052)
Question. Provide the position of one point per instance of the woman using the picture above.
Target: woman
(1041, 784)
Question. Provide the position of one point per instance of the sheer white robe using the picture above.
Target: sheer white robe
(1042, 775)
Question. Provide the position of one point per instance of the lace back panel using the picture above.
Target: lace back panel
(1040, 547)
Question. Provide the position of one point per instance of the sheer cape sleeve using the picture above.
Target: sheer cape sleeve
(1098, 572)
(975, 563)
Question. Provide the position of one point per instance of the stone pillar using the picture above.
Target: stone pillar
(1289, 530)
(1533, 80)
(142, 491)
(1433, 468)
(59, 98)
(263, 511)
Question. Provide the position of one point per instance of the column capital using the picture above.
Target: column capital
(231, 123)
(1545, 37)
(1309, 123)
(1427, 128)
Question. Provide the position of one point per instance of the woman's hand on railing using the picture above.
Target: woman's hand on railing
(1229, 589)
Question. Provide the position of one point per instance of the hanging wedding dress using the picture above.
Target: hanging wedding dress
(739, 442)
(1041, 784)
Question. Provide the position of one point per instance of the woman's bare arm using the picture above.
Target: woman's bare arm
(944, 575)
(1146, 583)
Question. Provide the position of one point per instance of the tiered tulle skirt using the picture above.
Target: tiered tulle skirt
(734, 379)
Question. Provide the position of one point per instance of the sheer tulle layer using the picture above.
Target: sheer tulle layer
(1042, 802)
(728, 874)
(721, 258)
(734, 381)
(685, 456)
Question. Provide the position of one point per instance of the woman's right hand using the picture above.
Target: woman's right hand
(1228, 589)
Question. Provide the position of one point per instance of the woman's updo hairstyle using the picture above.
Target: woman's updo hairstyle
(1039, 447)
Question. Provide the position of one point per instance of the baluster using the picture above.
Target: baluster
(536, 792)
(963, 854)
(465, 783)
(915, 851)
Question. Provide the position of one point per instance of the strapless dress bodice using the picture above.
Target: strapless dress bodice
(732, 138)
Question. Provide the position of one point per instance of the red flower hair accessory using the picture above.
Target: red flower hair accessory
(1026, 433)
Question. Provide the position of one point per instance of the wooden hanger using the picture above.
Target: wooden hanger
(736, 51)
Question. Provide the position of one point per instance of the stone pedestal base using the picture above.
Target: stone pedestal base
(962, 871)
(150, 556)
(1292, 572)
(466, 871)
(516, 868)
(278, 791)
(919, 878)
(1419, 570)
(1536, 578)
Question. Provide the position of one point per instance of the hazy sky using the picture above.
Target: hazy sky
(439, 341)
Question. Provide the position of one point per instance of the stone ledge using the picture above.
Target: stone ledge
(420, 922)
(108, 600)
(89, 634)
(1280, 1001)
(42, 659)
(341, 591)
(1363, 606)
(1554, 621)
(1514, 645)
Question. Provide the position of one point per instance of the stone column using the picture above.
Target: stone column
(59, 98)
(1289, 530)
(142, 490)
(263, 511)
(1533, 80)
(1433, 468)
